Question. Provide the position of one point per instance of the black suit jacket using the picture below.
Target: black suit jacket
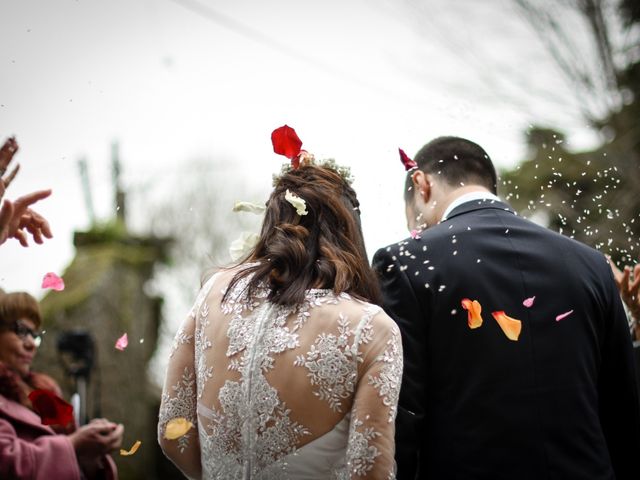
(561, 402)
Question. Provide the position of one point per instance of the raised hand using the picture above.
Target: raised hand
(629, 287)
(16, 218)
(7, 151)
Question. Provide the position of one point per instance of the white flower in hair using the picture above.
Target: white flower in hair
(298, 203)
(249, 207)
(240, 247)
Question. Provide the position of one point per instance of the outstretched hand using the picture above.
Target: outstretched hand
(16, 219)
(629, 287)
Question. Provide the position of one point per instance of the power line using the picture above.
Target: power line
(265, 40)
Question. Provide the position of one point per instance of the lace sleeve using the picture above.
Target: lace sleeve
(179, 394)
(370, 451)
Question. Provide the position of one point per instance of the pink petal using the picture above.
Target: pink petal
(563, 315)
(53, 281)
(528, 302)
(415, 234)
(122, 342)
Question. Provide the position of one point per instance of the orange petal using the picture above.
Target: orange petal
(176, 428)
(132, 450)
(510, 326)
(474, 309)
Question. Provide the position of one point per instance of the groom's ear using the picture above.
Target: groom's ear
(421, 185)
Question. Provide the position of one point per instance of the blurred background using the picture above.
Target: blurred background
(150, 118)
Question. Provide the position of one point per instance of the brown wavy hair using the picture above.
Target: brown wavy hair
(323, 249)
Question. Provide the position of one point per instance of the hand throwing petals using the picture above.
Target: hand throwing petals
(474, 310)
(298, 203)
(51, 408)
(176, 428)
(53, 281)
(286, 142)
(406, 161)
(563, 315)
(249, 207)
(134, 448)
(510, 326)
(528, 302)
(122, 342)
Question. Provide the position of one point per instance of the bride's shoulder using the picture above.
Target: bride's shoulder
(368, 313)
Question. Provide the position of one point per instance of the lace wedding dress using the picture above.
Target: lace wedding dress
(274, 392)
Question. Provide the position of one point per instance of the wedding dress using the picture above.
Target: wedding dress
(277, 392)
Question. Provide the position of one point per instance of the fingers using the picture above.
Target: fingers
(7, 151)
(624, 280)
(9, 178)
(24, 202)
(617, 274)
(6, 213)
(36, 225)
(114, 439)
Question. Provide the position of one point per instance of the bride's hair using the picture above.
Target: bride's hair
(322, 249)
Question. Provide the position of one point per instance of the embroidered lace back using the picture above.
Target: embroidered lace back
(283, 392)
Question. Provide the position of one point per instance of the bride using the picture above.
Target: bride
(285, 366)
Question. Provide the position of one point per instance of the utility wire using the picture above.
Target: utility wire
(265, 40)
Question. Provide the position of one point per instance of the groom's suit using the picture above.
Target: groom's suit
(561, 402)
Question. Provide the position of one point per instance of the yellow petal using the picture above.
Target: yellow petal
(176, 428)
(510, 326)
(474, 309)
(131, 451)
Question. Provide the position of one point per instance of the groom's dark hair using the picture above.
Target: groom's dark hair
(458, 161)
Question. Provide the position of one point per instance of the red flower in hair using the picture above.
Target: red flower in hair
(286, 142)
(406, 161)
(51, 408)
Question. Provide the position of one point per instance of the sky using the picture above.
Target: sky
(177, 80)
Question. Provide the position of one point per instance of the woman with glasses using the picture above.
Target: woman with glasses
(28, 448)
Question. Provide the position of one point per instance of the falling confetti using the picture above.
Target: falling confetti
(134, 448)
(510, 326)
(122, 342)
(176, 428)
(528, 302)
(563, 315)
(53, 281)
(474, 309)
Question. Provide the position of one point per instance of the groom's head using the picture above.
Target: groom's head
(447, 168)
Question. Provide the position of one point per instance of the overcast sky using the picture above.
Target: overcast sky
(174, 80)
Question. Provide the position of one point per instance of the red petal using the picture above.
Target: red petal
(406, 161)
(51, 408)
(286, 142)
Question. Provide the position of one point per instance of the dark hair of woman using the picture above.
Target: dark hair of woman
(323, 249)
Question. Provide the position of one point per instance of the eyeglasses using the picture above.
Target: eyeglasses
(22, 331)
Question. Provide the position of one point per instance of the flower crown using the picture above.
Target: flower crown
(287, 143)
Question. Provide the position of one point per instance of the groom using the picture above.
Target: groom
(518, 360)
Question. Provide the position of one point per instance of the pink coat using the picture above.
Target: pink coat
(30, 450)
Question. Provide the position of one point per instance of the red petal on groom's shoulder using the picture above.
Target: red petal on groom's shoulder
(286, 142)
(51, 408)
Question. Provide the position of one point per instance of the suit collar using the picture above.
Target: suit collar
(474, 205)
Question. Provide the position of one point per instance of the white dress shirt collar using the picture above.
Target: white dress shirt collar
(468, 197)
